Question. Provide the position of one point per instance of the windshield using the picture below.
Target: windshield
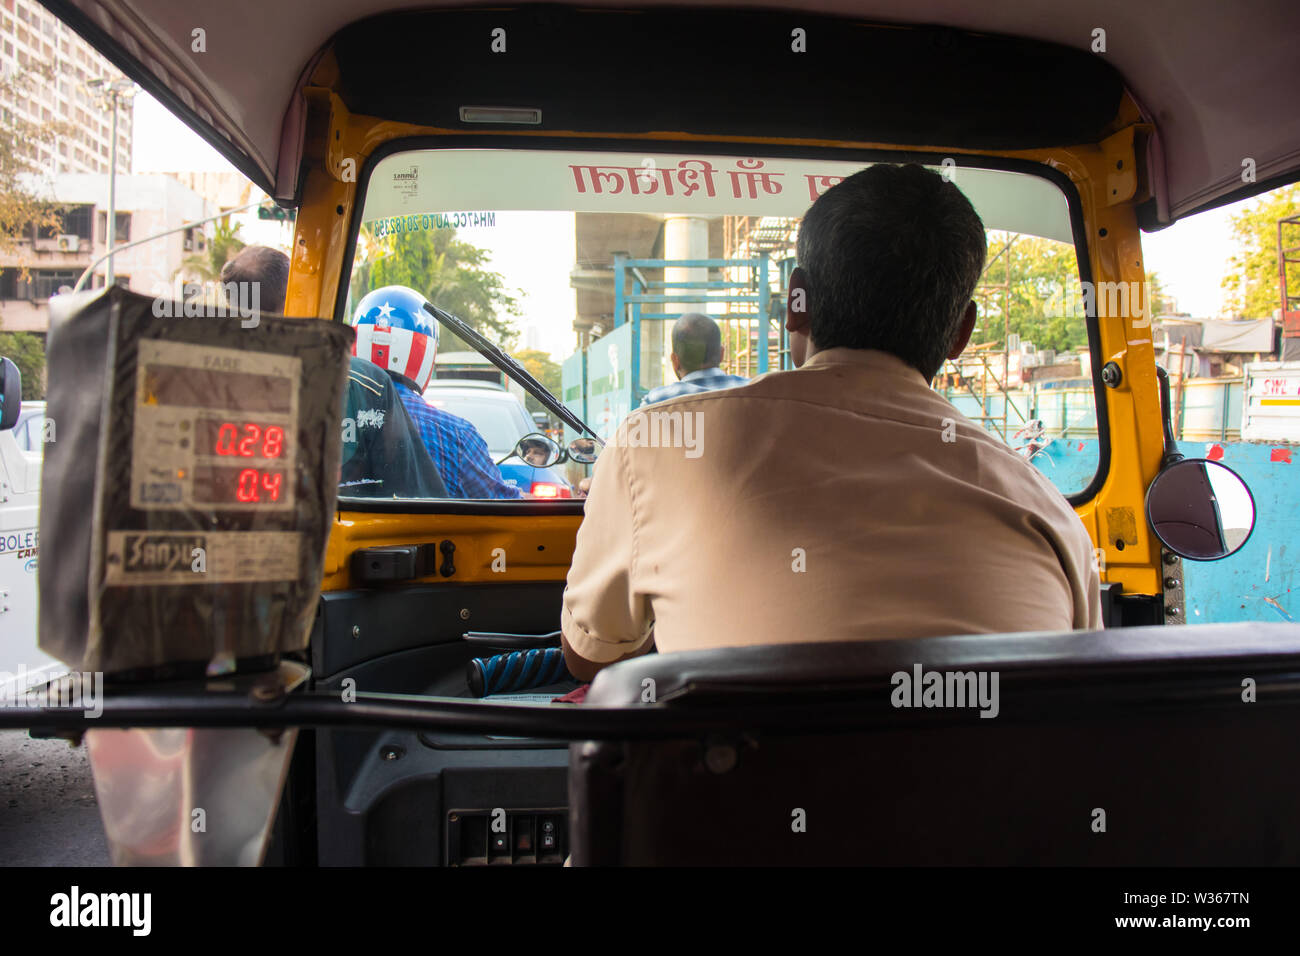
(578, 263)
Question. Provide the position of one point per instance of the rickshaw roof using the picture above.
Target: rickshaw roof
(1216, 81)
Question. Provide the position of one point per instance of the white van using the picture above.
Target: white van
(21, 450)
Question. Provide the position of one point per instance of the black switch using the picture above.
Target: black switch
(385, 564)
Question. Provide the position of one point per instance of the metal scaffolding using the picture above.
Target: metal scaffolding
(983, 371)
(770, 240)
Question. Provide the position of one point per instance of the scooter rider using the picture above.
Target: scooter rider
(395, 332)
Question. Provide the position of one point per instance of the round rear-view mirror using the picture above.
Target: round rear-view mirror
(583, 450)
(1200, 509)
(538, 451)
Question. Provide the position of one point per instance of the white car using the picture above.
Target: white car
(500, 417)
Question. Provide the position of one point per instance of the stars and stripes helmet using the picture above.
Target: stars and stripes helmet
(396, 332)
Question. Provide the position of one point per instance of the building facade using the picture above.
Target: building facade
(37, 268)
(32, 38)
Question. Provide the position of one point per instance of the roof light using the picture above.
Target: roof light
(516, 116)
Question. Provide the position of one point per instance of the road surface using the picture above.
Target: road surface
(48, 815)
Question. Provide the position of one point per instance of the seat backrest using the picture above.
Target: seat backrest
(1157, 746)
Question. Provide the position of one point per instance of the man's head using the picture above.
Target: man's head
(888, 260)
(697, 343)
(259, 274)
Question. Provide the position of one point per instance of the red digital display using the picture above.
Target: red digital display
(240, 439)
(232, 484)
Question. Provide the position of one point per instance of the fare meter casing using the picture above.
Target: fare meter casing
(187, 500)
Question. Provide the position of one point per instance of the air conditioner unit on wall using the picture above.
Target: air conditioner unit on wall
(69, 243)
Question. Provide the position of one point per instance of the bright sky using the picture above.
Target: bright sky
(1189, 256)
(163, 143)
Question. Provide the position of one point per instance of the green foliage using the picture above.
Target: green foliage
(448, 272)
(223, 244)
(543, 368)
(27, 351)
(1162, 302)
(1251, 287)
(1029, 288)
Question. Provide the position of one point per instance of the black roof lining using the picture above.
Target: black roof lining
(712, 72)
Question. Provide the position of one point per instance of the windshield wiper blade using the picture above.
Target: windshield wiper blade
(511, 368)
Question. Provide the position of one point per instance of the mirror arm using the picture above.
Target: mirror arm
(1171, 452)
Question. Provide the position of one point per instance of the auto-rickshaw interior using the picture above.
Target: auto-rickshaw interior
(405, 124)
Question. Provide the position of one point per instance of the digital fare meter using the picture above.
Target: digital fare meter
(193, 485)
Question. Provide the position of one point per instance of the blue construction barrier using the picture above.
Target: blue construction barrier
(1256, 583)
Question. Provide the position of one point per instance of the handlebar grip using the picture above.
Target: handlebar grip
(519, 670)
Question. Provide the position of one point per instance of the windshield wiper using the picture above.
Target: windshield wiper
(511, 368)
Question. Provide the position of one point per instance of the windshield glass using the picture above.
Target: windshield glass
(578, 263)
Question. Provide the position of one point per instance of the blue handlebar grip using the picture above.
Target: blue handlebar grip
(516, 671)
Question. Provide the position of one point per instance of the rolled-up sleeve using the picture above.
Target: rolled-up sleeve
(603, 617)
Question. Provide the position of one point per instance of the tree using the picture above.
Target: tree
(27, 351)
(1030, 288)
(22, 210)
(545, 369)
(1251, 288)
(207, 266)
(449, 273)
(1160, 301)
(23, 213)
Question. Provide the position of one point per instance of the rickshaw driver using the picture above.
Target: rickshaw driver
(843, 500)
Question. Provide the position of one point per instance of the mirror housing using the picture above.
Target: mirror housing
(11, 394)
(1200, 510)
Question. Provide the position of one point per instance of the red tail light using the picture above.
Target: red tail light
(548, 489)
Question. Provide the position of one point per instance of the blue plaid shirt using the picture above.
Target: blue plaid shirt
(701, 380)
(457, 449)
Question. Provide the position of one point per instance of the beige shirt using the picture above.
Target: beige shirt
(842, 501)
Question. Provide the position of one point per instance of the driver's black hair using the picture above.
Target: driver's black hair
(891, 257)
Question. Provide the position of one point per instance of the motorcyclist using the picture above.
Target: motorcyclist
(396, 332)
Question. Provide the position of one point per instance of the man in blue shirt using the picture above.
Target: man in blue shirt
(697, 352)
(396, 333)
(456, 447)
